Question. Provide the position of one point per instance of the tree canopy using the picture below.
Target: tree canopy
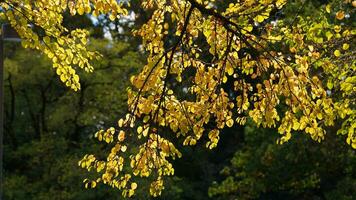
(210, 65)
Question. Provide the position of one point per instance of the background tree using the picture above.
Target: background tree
(300, 169)
(48, 128)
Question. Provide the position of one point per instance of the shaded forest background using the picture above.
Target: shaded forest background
(48, 129)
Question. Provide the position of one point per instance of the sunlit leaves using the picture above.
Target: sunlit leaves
(241, 75)
(65, 48)
(340, 15)
(206, 71)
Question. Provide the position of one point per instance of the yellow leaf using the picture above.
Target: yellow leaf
(145, 132)
(112, 17)
(224, 79)
(120, 122)
(330, 85)
(80, 10)
(296, 125)
(60, 41)
(131, 192)
(230, 70)
(84, 40)
(249, 28)
(87, 9)
(345, 46)
(123, 148)
(259, 18)
(328, 35)
(280, 3)
(63, 78)
(133, 186)
(340, 15)
(25, 43)
(327, 8)
(121, 136)
(166, 26)
(59, 71)
(192, 142)
(100, 137)
(76, 78)
(46, 40)
(230, 122)
(337, 53)
(107, 138)
(93, 184)
(2, 16)
(337, 28)
(139, 129)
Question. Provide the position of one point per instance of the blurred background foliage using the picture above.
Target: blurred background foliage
(48, 129)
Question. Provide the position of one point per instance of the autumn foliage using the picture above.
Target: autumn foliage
(209, 66)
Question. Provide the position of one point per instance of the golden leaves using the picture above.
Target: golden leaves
(121, 136)
(156, 187)
(91, 184)
(240, 77)
(280, 3)
(345, 46)
(64, 48)
(328, 8)
(340, 15)
(214, 138)
(261, 18)
(230, 123)
(107, 136)
(337, 53)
